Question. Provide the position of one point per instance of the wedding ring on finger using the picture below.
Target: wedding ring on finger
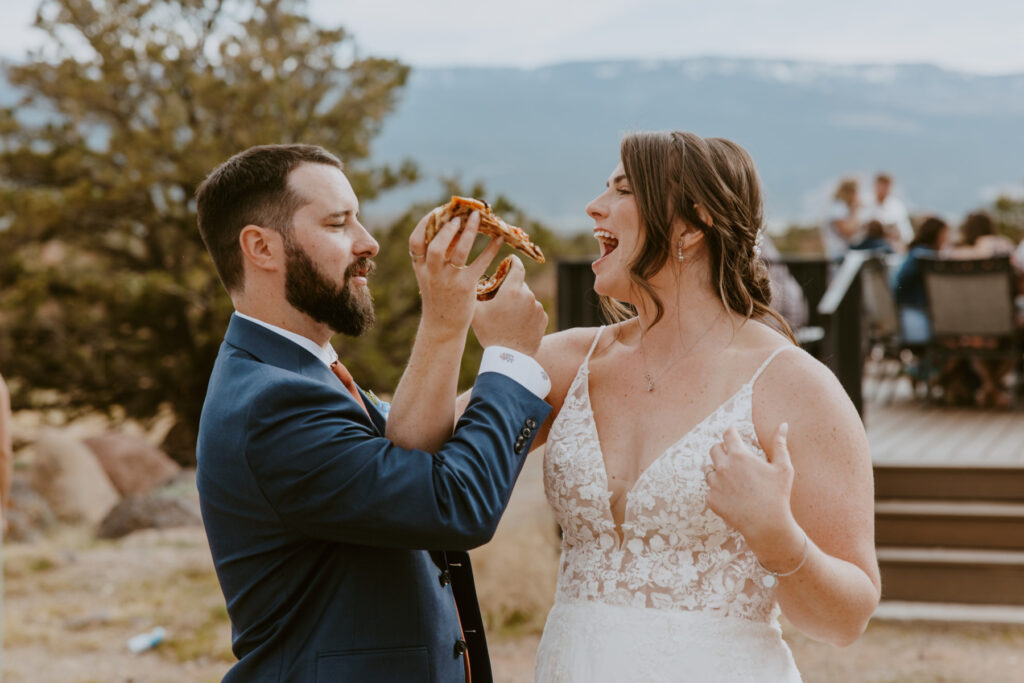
(416, 258)
(449, 263)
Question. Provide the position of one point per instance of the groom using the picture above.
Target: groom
(341, 553)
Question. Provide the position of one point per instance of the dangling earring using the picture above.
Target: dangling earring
(679, 251)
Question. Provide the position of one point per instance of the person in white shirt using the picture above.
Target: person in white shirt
(841, 228)
(890, 212)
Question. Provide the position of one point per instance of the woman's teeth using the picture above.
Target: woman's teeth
(607, 240)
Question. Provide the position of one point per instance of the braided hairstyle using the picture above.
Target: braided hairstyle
(671, 172)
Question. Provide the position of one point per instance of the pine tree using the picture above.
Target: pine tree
(107, 295)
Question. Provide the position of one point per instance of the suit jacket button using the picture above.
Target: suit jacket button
(526, 432)
(445, 578)
(531, 423)
(518, 449)
(460, 647)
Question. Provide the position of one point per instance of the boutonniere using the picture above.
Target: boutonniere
(383, 407)
(373, 398)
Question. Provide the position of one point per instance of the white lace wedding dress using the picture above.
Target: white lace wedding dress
(680, 597)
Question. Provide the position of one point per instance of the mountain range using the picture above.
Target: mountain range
(547, 138)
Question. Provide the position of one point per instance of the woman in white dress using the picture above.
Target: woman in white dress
(689, 515)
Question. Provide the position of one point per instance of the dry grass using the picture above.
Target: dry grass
(516, 573)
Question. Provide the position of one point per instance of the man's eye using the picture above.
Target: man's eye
(337, 225)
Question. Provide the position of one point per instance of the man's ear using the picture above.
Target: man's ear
(261, 247)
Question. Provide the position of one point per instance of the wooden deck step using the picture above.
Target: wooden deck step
(990, 577)
(991, 484)
(950, 524)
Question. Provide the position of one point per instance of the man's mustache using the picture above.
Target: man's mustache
(360, 266)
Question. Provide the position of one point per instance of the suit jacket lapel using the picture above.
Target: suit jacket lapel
(270, 347)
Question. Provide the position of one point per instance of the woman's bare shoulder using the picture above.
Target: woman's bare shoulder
(565, 349)
(561, 354)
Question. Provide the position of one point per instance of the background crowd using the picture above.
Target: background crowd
(881, 223)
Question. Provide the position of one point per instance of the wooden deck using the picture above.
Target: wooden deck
(905, 432)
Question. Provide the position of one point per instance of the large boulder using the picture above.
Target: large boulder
(29, 515)
(134, 466)
(68, 476)
(156, 510)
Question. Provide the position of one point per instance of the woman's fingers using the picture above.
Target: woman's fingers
(462, 243)
(778, 453)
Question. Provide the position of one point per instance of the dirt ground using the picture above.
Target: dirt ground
(71, 603)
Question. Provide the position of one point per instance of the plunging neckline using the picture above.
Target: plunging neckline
(620, 528)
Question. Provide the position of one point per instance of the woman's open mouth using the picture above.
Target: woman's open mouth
(607, 241)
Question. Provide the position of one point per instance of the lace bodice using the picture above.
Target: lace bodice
(674, 552)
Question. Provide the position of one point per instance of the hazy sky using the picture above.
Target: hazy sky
(982, 35)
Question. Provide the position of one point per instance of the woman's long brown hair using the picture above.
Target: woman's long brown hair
(671, 172)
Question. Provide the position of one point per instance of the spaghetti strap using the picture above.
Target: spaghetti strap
(593, 345)
(768, 360)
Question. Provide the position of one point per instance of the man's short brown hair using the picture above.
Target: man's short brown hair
(250, 188)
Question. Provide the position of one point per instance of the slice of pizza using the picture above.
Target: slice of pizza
(491, 225)
(487, 287)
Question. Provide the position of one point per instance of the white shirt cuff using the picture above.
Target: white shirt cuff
(518, 367)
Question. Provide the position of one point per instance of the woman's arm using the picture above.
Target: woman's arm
(560, 355)
(817, 485)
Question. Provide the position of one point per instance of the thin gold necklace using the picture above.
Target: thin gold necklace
(686, 352)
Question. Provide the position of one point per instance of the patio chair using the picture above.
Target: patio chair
(890, 355)
(971, 308)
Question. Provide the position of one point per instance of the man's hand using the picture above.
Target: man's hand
(447, 283)
(513, 318)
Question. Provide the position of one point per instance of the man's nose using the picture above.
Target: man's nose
(365, 244)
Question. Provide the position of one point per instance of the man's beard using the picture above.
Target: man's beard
(343, 308)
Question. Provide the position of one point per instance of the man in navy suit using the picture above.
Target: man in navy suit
(341, 552)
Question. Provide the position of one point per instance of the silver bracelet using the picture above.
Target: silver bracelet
(772, 578)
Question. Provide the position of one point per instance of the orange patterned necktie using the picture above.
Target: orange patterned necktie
(346, 378)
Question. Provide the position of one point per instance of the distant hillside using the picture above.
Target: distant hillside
(548, 137)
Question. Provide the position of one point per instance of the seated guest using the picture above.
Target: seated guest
(979, 239)
(930, 239)
(874, 238)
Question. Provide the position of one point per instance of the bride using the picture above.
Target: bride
(705, 471)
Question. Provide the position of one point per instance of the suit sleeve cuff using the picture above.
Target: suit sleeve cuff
(518, 367)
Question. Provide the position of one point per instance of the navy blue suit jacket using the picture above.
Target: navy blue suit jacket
(327, 537)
